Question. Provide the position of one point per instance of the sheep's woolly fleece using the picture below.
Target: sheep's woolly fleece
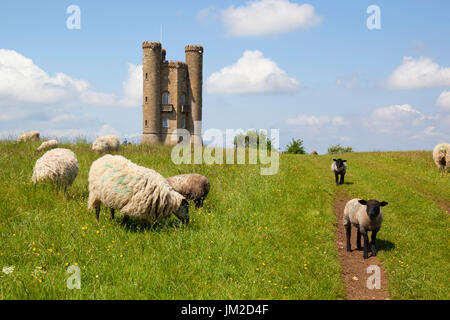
(106, 143)
(50, 144)
(136, 191)
(355, 213)
(193, 186)
(26, 136)
(441, 155)
(57, 165)
(335, 169)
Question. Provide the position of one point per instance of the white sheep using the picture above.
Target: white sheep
(441, 156)
(339, 167)
(136, 191)
(27, 136)
(365, 216)
(58, 165)
(193, 186)
(106, 144)
(50, 144)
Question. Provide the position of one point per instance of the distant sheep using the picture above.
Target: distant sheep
(106, 144)
(47, 145)
(366, 216)
(441, 156)
(314, 153)
(339, 167)
(193, 186)
(136, 191)
(29, 136)
(58, 165)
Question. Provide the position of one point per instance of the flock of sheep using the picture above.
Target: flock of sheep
(118, 183)
(143, 193)
(366, 215)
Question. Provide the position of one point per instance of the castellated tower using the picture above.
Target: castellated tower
(172, 94)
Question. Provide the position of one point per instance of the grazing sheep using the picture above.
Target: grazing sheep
(339, 167)
(193, 186)
(314, 153)
(26, 136)
(366, 216)
(136, 191)
(106, 144)
(441, 156)
(57, 165)
(50, 144)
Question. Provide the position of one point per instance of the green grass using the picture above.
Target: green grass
(257, 237)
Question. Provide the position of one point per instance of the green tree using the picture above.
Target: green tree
(339, 149)
(295, 147)
(248, 139)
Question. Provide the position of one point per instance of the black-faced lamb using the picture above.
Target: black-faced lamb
(136, 191)
(193, 186)
(365, 216)
(339, 167)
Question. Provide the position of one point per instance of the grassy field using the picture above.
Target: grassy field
(257, 237)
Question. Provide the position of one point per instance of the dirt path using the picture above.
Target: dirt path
(354, 267)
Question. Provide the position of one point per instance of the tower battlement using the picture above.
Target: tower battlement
(172, 94)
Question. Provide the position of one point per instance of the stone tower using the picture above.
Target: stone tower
(172, 94)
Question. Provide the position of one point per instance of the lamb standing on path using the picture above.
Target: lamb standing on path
(339, 167)
(136, 191)
(366, 216)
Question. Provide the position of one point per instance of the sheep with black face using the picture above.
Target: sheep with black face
(339, 167)
(365, 216)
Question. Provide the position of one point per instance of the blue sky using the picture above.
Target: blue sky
(318, 75)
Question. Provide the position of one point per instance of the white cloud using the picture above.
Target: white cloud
(263, 17)
(22, 81)
(206, 13)
(310, 120)
(107, 130)
(418, 73)
(252, 73)
(443, 100)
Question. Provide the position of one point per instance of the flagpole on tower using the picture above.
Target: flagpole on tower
(161, 34)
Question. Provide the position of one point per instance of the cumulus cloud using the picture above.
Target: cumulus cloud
(418, 73)
(264, 17)
(252, 73)
(310, 120)
(443, 100)
(22, 81)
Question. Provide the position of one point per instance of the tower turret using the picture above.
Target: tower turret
(194, 61)
(152, 92)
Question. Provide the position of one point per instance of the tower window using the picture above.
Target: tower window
(146, 99)
(146, 76)
(146, 123)
(183, 98)
(183, 121)
(165, 123)
(166, 98)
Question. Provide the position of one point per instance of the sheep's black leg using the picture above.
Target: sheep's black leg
(198, 203)
(336, 175)
(366, 245)
(373, 243)
(358, 240)
(97, 212)
(342, 178)
(348, 228)
(125, 219)
(112, 213)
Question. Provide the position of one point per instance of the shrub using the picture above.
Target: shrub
(295, 147)
(339, 149)
(250, 136)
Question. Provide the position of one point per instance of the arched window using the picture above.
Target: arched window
(183, 98)
(166, 98)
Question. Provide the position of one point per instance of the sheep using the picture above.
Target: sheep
(136, 191)
(339, 167)
(106, 143)
(441, 156)
(57, 165)
(314, 153)
(193, 186)
(26, 136)
(50, 144)
(366, 216)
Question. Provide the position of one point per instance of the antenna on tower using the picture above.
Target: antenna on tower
(161, 34)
